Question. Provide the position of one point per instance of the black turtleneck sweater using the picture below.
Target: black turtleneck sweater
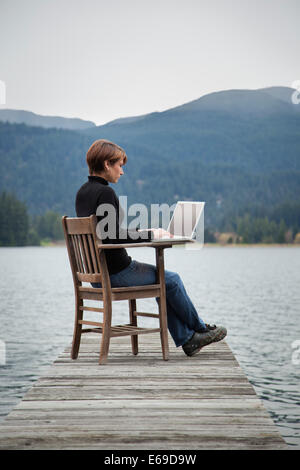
(91, 195)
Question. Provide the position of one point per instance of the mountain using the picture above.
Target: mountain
(266, 101)
(32, 119)
(256, 102)
(285, 94)
(232, 149)
(250, 129)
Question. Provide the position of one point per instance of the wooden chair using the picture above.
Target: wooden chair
(88, 264)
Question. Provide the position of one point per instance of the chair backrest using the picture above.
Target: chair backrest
(81, 240)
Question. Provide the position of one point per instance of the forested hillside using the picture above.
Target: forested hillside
(234, 149)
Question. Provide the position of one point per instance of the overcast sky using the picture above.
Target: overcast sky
(104, 59)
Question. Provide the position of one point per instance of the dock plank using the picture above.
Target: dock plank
(141, 402)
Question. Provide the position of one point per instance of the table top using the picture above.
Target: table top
(161, 243)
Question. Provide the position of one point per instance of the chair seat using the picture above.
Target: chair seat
(119, 330)
(121, 293)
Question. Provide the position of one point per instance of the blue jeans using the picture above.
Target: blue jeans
(183, 319)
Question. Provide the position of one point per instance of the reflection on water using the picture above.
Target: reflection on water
(253, 291)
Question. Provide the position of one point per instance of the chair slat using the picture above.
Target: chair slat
(75, 251)
(144, 314)
(135, 331)
(92, 323)
(96, 268)
(78, 254)
(84, 255)
(88, 253)
(92, 309)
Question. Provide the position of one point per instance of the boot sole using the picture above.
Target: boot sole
(217, 338)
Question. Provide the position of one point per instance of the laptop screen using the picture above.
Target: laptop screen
(185, 218)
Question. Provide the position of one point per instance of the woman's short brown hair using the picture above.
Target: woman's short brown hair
(103, 150)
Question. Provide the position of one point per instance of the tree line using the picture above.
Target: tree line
(260, 224)
(19, 228)
(250, 225)
(252, 230)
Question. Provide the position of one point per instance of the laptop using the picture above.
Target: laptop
(184, 221)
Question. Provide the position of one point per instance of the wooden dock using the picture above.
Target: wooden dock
(141, 402)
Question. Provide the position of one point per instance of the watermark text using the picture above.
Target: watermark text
(2, 92)
(184, 219)
(296, 94)
(296, 354)
(2, 353)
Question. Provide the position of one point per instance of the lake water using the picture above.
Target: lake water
(253, 291)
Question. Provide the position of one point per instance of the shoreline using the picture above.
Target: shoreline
(261, 245)
(61, 243)
(210, 245)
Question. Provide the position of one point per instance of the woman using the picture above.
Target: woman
(105, 161)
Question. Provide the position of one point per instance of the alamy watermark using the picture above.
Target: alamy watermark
(295, 98)
(2, 353)
(2, 92)
(296, 354)
(134, 221)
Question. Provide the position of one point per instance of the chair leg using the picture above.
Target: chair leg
(77, 329)
(162, 303)
(163, 329)
(133, 321)
(106, 331)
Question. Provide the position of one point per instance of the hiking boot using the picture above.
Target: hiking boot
(202, 338)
